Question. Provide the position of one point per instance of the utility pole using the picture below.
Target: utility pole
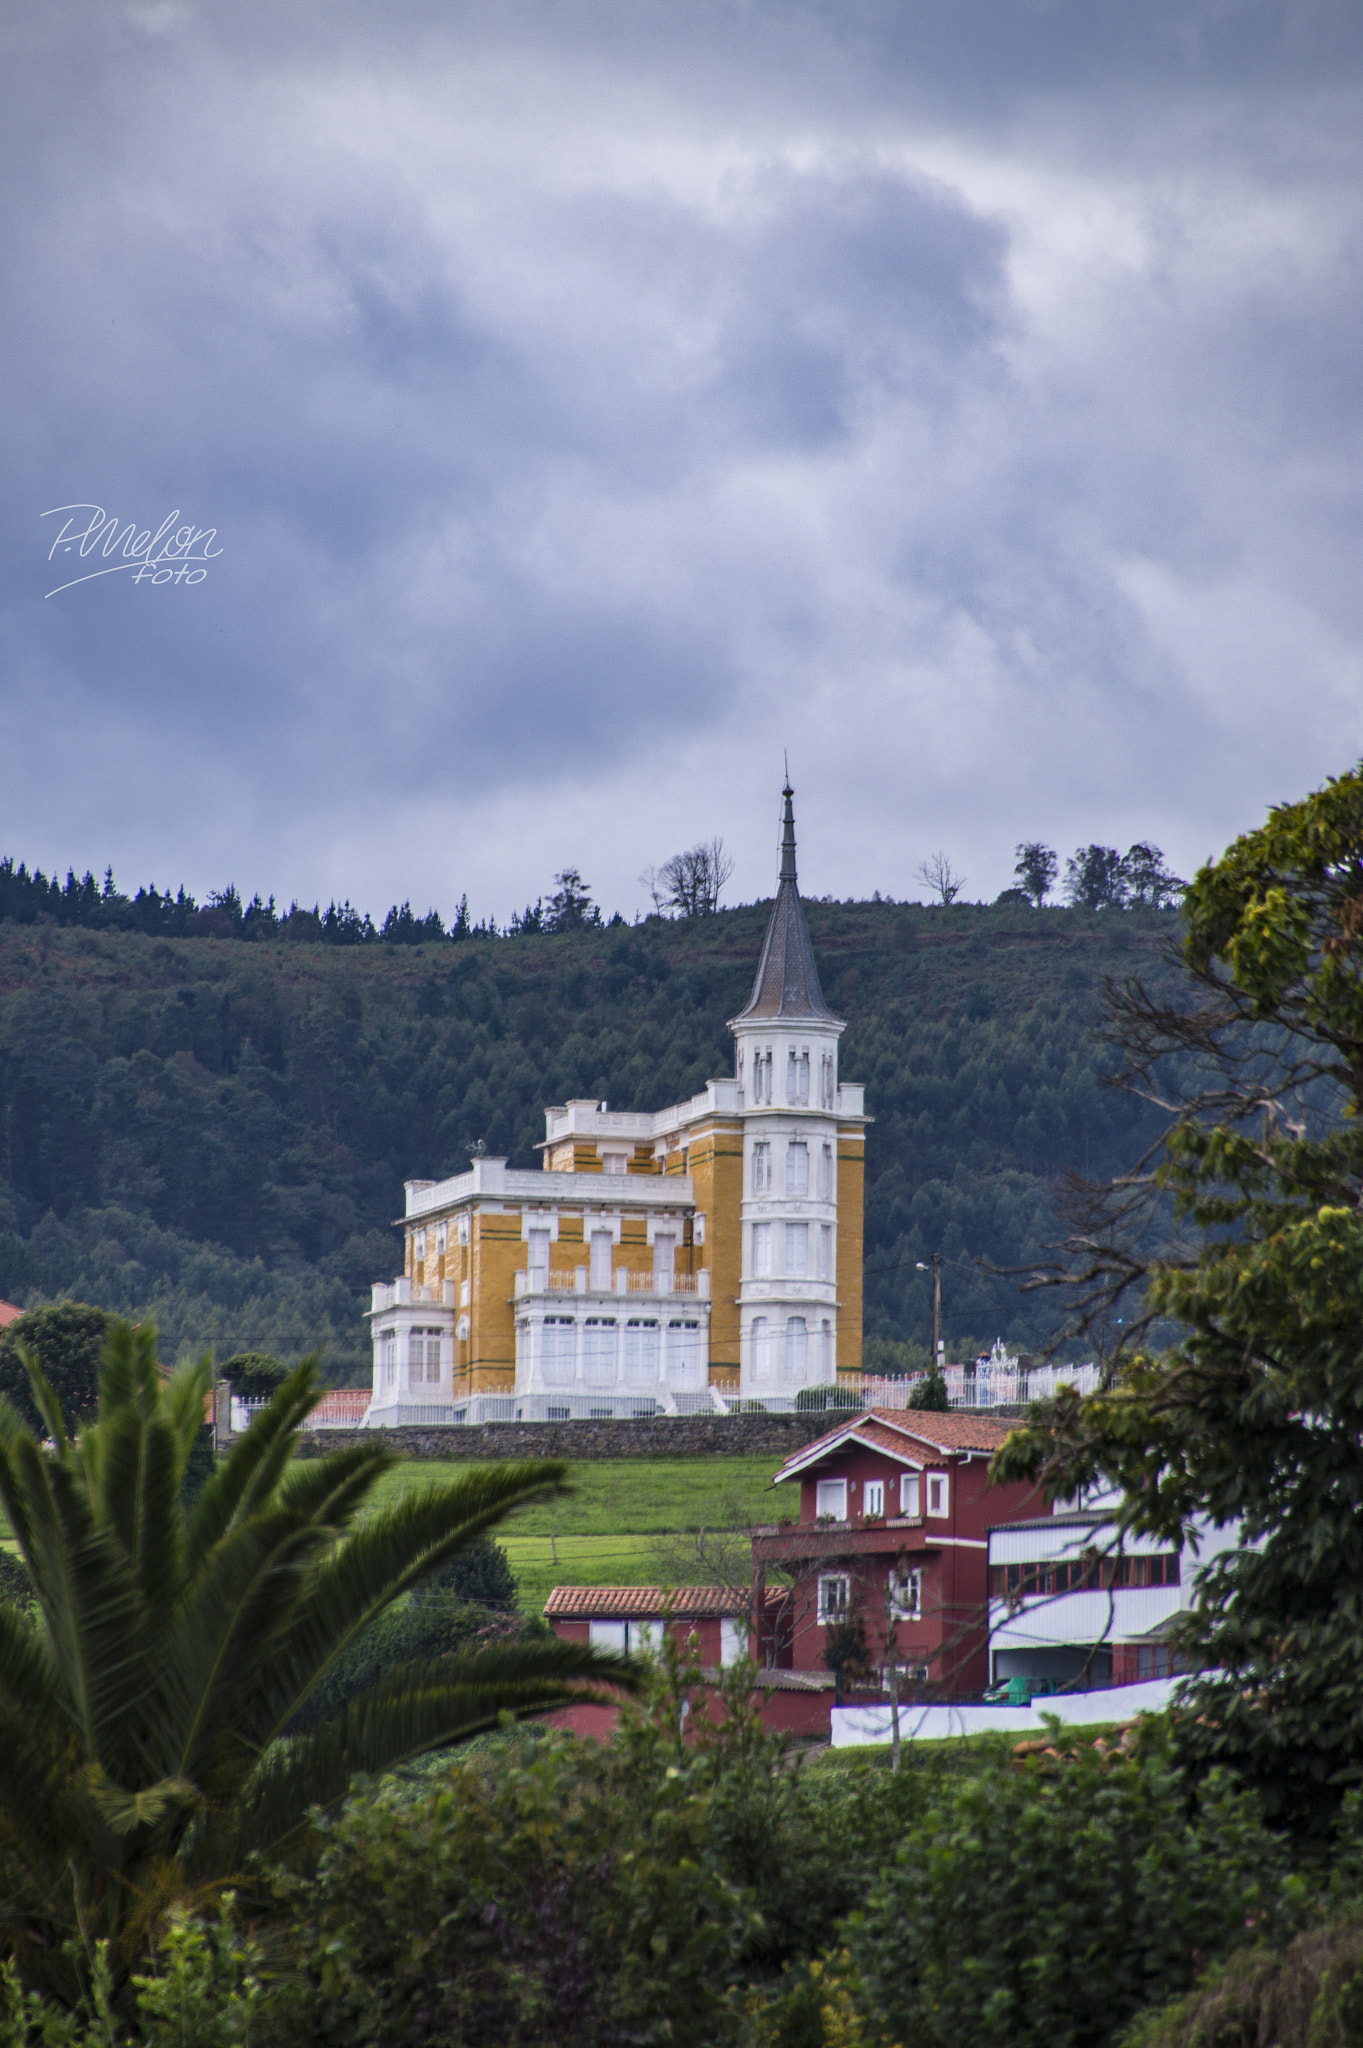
(937, 1358)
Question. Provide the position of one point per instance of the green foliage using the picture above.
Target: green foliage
(253, 1375)
(202, 1990)
(526, 1899)
(1308, 1995)
(479, 1576)
(1043, 1907)
(216, 1135)
(1256, 1415)
(931, 1393)
(416, 1632)
(68, 1343)
(140, 1725)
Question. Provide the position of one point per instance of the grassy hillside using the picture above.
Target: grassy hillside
(217, 1133)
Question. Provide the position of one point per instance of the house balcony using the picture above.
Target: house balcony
(660, 1287)
(787, 1542)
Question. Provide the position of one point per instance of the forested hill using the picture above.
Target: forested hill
(218, 1134)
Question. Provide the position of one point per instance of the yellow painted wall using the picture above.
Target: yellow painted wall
(716, 1159)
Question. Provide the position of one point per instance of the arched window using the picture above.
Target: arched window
(797, 1350)
(761, 1349)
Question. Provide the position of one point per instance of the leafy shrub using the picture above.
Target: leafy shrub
(68, 1342)
(253, 1375)
(521, 1898)
(402, 1636)
(480, 1576)
(1308, 1996)
(1044, 1907)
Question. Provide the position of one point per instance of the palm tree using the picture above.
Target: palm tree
(142, 1747)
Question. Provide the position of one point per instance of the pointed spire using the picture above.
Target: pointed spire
(788, 836)
(787, 981)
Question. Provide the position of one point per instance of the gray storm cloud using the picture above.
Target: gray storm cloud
(593, 403)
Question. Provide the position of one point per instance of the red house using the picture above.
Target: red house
(892, 1536)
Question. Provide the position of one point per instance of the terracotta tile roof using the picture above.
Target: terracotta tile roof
(619, 1603)
(902, 1433)
(8, 1314)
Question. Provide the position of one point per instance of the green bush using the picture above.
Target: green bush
(68, 1342)
(253, 1375)
(521, 1898)
(1045, 1906)
(479, 1576)
(1310, 1995)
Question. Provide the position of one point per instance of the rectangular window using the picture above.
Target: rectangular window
(761, 1249)
(684, 1360)
(538, 1242)
(797, 1168)
(797, 1248)
(442, 1237)
(797, 1350)
(827, 1362)
(937, 1493)
(641, 1353)
(598, 1352)
(761, 1169)
(873, 1497)
(419, 1245)
(835, 1597)
(908, 1493)
(608, 1635)
(802, 1077)
(825, 1251)
(433, 1358)
(463, 1230)
(830, 1499)
(760, 1341)
(825, 1173)
(664, 1258)
(614, 1162)
(559, 1351)
(601, 1260)
(733, 1639)
(906, 1594)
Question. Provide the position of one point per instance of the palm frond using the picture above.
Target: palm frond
(252, 1469)
(381, 1561)
(417, 1708)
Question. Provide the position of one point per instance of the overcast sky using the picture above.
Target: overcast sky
(593, 401)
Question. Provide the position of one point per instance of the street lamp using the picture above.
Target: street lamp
(936, 1270)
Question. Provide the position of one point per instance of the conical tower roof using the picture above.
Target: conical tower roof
(787, 982)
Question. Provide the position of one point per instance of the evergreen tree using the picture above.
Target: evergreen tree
(1254, 1415)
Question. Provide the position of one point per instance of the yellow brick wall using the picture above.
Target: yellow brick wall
(716, 1158)
(498, 1251)
(851, 1245)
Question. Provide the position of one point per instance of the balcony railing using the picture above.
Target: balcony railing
(539, 1280)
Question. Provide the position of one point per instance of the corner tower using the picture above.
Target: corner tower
(803, 1150)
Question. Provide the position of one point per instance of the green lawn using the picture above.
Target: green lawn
(635, 1496)
(613, 1529)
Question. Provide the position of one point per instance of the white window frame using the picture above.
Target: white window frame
(939, 1495)
(733, 1639)
(825, 1173)
(797, 1250)
(442, 1238)
(761, 1250)
(906, 1594)
(601, 1252)
(910, 1493)
(797, 1167)
(419, 1244)
(825, 1251)
(761, 1167)
(608, 1635)
(835, 1597)
(760, 1341)
(830, 1498)
(463, 1230)
(615, 1163)
(797, 1350)
(873, 1497)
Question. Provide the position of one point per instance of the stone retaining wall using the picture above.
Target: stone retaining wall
(652, 1436)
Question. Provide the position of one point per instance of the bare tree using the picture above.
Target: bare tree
(690, 883)
(937, 874)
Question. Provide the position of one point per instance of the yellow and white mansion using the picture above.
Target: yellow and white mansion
(655, 1262)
